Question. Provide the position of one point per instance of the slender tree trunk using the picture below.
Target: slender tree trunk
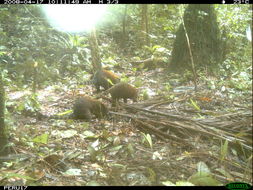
(3, 135)
(124, 27)
(96, 60)
(35, 65)
(190, 52)
(206, 44)
(144, 24)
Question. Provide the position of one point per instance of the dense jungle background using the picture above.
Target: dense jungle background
(191, 66)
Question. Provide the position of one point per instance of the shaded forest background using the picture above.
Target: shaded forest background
(42, 68)
(26, 37)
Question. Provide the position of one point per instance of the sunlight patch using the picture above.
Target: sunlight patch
(73, 18)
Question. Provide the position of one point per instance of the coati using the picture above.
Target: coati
(122, 90)
(101, 78)
(83, 108)
(149, 64)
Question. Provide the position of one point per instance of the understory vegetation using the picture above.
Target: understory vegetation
(191, 124)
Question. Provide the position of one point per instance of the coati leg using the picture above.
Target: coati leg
(107, 85)
(125, 100)
(98, 88)
(99, 114)
(114, 100)
(88, 116)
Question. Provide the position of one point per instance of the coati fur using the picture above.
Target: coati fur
(122, 90)
(102, 77)
(149, 64)
(84, 108)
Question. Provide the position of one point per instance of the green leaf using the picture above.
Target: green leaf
(93, 183)
(152, 175)
(130, 149)
(41, 139)
(148, 139)
(73, 172)
(95, 144)
(202, 167)
(225, 173)
(138, 83)
(178, 183)
(116, 148)
(89, 134)
(184, 183)
(68, 133)
(110, 81)
(64, 113)
(118, 166)
(224, 150)
(156, 47)
(194, 104)
(203, 179)
(93, 152)
(10, 175)
(85, 125)
(168, 183)
(116, 141)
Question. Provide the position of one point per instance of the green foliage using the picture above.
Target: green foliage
(233, 21)
(163, 24)
(147, 140)
(73, 172)
(93, 183)
(26, 38)
(178, 183)
(65, 113)
(138, 83)
(203, 177)
(195, 105)
(159, 52)
(30, 104)
(167, 87)
(41, 139)
(15, 175)
(204, 36)
(145, 95)
(224, 150)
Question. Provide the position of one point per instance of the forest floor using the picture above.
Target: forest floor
(171, 134)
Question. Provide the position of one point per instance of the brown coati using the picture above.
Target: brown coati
(104, 78)
(149, 64)
(83, 108)
(122, 90)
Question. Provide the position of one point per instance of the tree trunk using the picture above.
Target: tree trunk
(144, 25)
(3, 136)
(124, 27)
(96, 60)
(204, 37)
(35, 65)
